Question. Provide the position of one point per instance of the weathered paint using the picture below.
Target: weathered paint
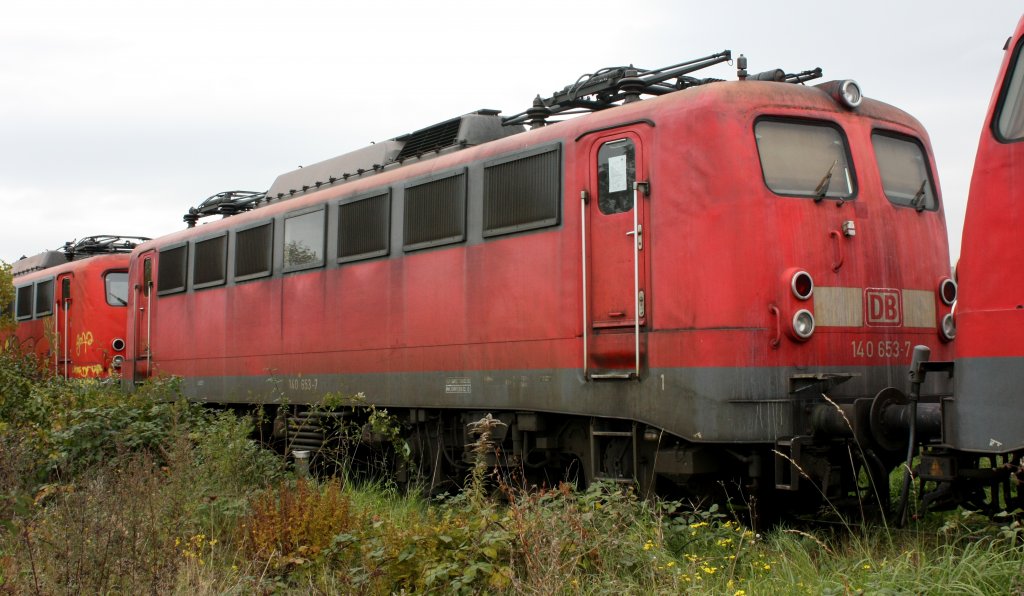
(86, 328)
(717, 355)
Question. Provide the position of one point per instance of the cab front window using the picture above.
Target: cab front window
(804, 159)
(903, 166)
(1009, 122)
(116, 283)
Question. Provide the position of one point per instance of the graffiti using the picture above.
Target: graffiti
(94, 370)
(83, 342)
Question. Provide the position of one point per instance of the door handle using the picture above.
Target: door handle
(639, 233)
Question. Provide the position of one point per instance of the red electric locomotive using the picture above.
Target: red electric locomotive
(70, 306)
(983, 437)
(699, 280)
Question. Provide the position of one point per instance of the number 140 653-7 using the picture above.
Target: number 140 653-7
(882, 348)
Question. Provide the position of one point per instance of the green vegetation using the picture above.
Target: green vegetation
(106, 493)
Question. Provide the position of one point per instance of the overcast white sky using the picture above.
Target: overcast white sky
(118, 115)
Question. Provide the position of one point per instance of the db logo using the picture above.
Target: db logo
(884, 307)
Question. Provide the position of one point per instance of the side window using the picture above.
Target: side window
(435, 212)
(116, 283)
(616, 171)
(23, 308)
(903, 166)
(364, 225)
(1009, 121)
(304, 236)
(522, 192)
(147, 275)
(209, 262)
(253, 251)
(804, 159)
(44, 298)
(170, 276)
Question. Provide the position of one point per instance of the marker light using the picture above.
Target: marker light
(948, 328)
(947, 291)
(116, 362)
(802, 285)
(803, 323)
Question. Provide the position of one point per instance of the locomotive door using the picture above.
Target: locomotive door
(144, 298)
(62, 351)
(615, 284)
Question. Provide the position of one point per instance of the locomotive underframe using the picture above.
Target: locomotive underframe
(811, 447)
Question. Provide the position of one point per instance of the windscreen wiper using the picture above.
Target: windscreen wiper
(822, 189)
(918, 201)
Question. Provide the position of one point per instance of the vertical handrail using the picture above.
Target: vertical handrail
(149, 329)
(66, 347)
(583, 267)
(636, 276)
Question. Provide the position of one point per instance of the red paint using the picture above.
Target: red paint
(716, 243)
(83, 325)
(990, 308)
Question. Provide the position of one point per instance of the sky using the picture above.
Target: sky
(116, 116)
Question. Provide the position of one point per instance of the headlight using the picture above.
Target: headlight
(802, 285)
(947, 291)
(116, 362)
(117, 344)
(803, 323)
(948, 328)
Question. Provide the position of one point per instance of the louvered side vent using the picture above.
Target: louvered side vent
(171, 276)
(44, 297)
(435, 212)
(252, 252)
(430, 139)
(24, 307)
(210, 262)
(522, 193)
(363, 226)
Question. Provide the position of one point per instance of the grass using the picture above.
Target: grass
(100, 493)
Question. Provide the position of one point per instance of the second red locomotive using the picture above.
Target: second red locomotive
(70, 306)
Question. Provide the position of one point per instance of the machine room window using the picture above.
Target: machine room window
(252, 252)
(522, 192)
(364, 226)
(210, 262)
(803, 159)
(435, 212)
(116, 283)
(24, 300)
(44, 298)
(170, 276)
(304, 236)
(903, 166)
(616, 172)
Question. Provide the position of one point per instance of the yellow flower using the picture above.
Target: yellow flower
(671, 564)
(648, 545)
(867, 566)
(740, 593)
